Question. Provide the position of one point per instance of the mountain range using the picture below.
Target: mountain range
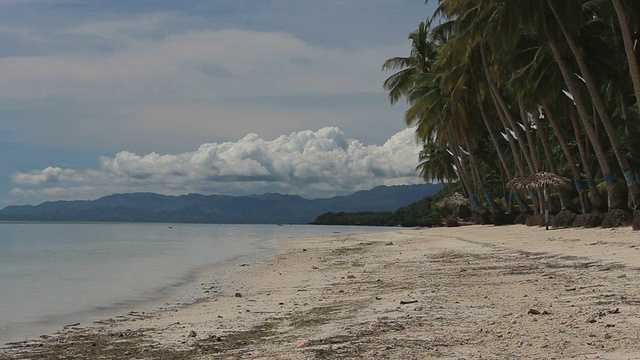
(218, 209)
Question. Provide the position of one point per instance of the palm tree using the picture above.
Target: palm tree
(598, 102)
(436, 164)
(629, 47)
(488, 61)
(419, 61)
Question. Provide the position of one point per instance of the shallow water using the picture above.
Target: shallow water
(52, 274)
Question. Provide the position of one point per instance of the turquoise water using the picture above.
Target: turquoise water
(52, 274)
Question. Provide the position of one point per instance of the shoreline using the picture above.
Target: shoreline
(184, 292)
(503, 292)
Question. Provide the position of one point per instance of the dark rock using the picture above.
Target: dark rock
(238, 295)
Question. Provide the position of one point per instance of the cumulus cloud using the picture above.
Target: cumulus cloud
(44, 176)
(309, 163)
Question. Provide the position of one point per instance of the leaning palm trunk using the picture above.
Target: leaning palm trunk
(597, 199)
(584, 117)
(575, 172)
(494, 140)
(529, 134)
(629, 47)
(629, 175)
(493, 207)
(462, 174)
(517, 159)
(502, 108)
(504, 168)
(549, 156)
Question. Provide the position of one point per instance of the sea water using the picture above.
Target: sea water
(53, 274)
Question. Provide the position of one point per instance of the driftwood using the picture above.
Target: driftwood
(403, 302)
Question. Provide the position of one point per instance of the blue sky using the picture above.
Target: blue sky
(220, 96)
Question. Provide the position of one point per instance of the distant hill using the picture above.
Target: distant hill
(218, 209)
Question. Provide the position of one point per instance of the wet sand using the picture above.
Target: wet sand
(472, 292)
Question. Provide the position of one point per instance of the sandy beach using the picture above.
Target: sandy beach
(473, 292)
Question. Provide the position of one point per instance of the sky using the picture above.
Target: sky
(232, 97)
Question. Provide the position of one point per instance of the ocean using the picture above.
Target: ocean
(55, 274)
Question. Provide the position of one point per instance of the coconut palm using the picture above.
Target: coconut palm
(596, 97)
(419, 61)
(623, 20)
(436, 164)
(490, 65)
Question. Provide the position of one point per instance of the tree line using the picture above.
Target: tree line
(501, 89)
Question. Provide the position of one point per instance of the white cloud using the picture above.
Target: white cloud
(46, 176)
(310, 163)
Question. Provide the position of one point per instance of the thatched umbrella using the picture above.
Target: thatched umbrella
(541, 181)
(453, 201)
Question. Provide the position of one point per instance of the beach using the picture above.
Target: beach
(471, 292)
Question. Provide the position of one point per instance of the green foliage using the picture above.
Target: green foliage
(500, 68)
(416, 214)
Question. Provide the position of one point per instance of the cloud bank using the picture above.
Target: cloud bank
(135, 77)
(319, 163)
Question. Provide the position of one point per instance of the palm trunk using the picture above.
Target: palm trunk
(629, 49)
(596, 197)
(629, 175)
(517, 159)
(475, 171)
(494, 140)
(549, 156)
(529, 134)
(584, 116)
(503, 109)
(504, 168)
(462, 174)
(575, 172)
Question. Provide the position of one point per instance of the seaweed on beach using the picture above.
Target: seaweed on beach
(590, 220)
(503, 219)
(635, 222)
(616, 218)
(564, 219)
(535, 220)
(521, 219)
(481, 219)
(452, 222)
